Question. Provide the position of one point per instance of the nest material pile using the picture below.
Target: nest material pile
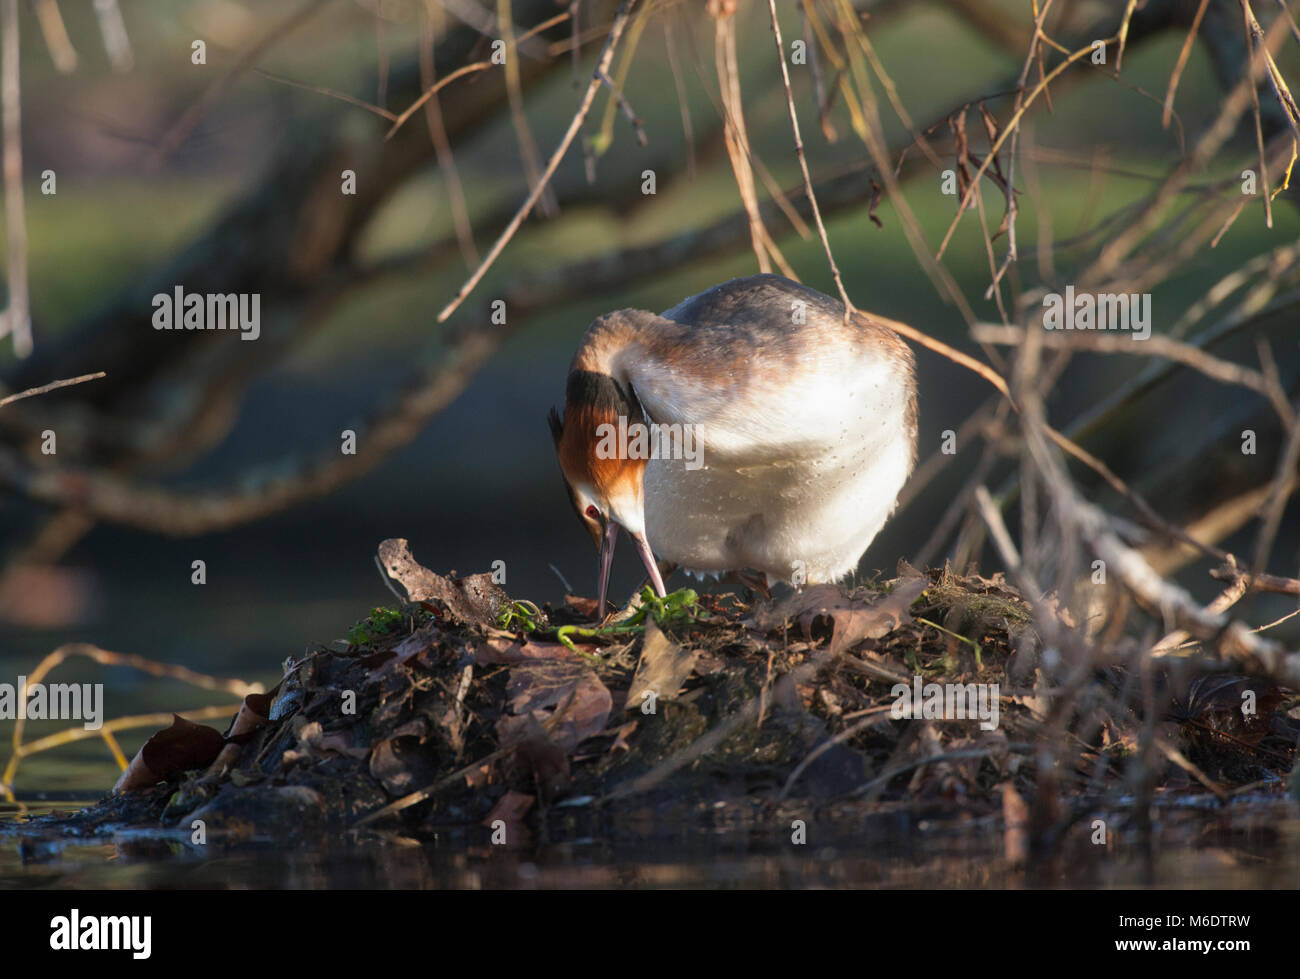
(463, 707)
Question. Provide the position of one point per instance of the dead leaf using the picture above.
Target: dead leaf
(852, 619)
(501, 648)
(253, 713)
(314, 745)
(582, 608)
(536, 750)
(582, 703)
(476, 600)
(621, 736)
(400, 763)
(179, 748)
(662, 669)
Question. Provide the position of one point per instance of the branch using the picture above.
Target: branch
(602, 66)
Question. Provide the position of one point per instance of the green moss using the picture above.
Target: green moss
(381, 623)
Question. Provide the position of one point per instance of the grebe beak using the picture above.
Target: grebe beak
(648, 559)
(607, 542)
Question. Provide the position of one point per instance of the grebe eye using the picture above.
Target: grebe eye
(593, 513)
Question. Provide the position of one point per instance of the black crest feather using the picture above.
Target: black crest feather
(557, 425)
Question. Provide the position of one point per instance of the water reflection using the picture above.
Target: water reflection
(1253, 843)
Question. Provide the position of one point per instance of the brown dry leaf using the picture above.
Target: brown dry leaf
(547, 760)
(584, 608)
(852, 619)
(253, 713)
(399, 763)
(179, 748)
(663, 667)
(582, 703)
(873, 204)
(314, 744)
(476, 600)
(621, 735)
(501, 648)
(419, 641)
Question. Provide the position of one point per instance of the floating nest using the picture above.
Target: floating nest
(463, 707)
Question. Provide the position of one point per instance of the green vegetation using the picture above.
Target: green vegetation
(382, 622)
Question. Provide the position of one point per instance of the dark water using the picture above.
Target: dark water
(1251, 843)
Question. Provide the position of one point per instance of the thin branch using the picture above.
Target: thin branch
(441, 144)
(18, 317)
(688, 131)
(803, 161)
(112, 28)
(55, 32)
(328, 92)
(52, 386)
(547, 205)
(1183, 54)
(1156, 345)
(620, 23)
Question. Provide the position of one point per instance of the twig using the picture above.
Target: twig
(1156, 345)
(112, 28)
(849, 308)
(735, 136)
(1009, 127)
(515, 99)
(1119, 246)
(1179, 759)
(1227, 598)
(1012, 208)
(52, 386)
(1283, 485)
(1260, 582)
(18, 317)
(880, 781)
(1123, 34)
(328, 92)
(472, 15)
(617, 94)
(106, 731)
(55, 32)
(568, 588)
(620, 23)
(1183, 54)
(441, 144)
(1259, 127)
(107, 658)
(688, 132)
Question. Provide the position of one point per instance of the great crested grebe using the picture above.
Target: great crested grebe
(749, 427)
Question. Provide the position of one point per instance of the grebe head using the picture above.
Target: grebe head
(606, 487)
